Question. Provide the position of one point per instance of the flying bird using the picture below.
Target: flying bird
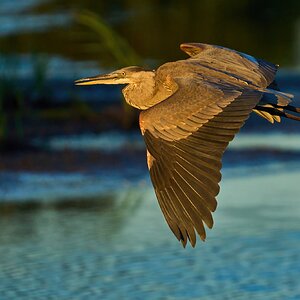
(190, 110)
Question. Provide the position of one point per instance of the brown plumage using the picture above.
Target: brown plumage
(191, 110)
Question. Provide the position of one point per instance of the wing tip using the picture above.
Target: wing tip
(183, 242)
(192, 242)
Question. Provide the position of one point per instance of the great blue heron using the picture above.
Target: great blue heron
(191, 110)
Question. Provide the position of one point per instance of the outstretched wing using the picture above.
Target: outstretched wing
(240, 65)
(186, 136)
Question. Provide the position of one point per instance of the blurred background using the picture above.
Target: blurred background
(78, 216)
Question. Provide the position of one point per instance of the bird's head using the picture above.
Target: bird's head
(128, 75)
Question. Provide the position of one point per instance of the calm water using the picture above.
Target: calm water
(122, 249)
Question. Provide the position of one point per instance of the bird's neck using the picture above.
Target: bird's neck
(147, 93)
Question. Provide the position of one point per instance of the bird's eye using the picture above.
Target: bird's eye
(123, 74)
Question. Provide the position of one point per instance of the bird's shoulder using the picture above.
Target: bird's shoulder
(237, 64)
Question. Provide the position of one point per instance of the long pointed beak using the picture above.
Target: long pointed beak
(99, 79)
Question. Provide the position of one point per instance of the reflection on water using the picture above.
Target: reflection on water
(127, 252)
(20, 187)
(112, 141)
(9, 7)
(31, 23)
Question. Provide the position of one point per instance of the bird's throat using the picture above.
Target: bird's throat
(148, 93)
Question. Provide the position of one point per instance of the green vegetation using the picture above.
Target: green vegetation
(154, 29)
(109, 40)
(11, 101)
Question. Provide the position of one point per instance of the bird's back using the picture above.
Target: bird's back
(232, 63)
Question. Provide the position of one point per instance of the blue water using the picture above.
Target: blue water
(122, 248)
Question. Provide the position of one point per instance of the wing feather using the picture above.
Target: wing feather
(205, 186)
(236, 64)
(185, 151)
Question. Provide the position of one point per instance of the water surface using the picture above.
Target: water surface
(122, 249)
